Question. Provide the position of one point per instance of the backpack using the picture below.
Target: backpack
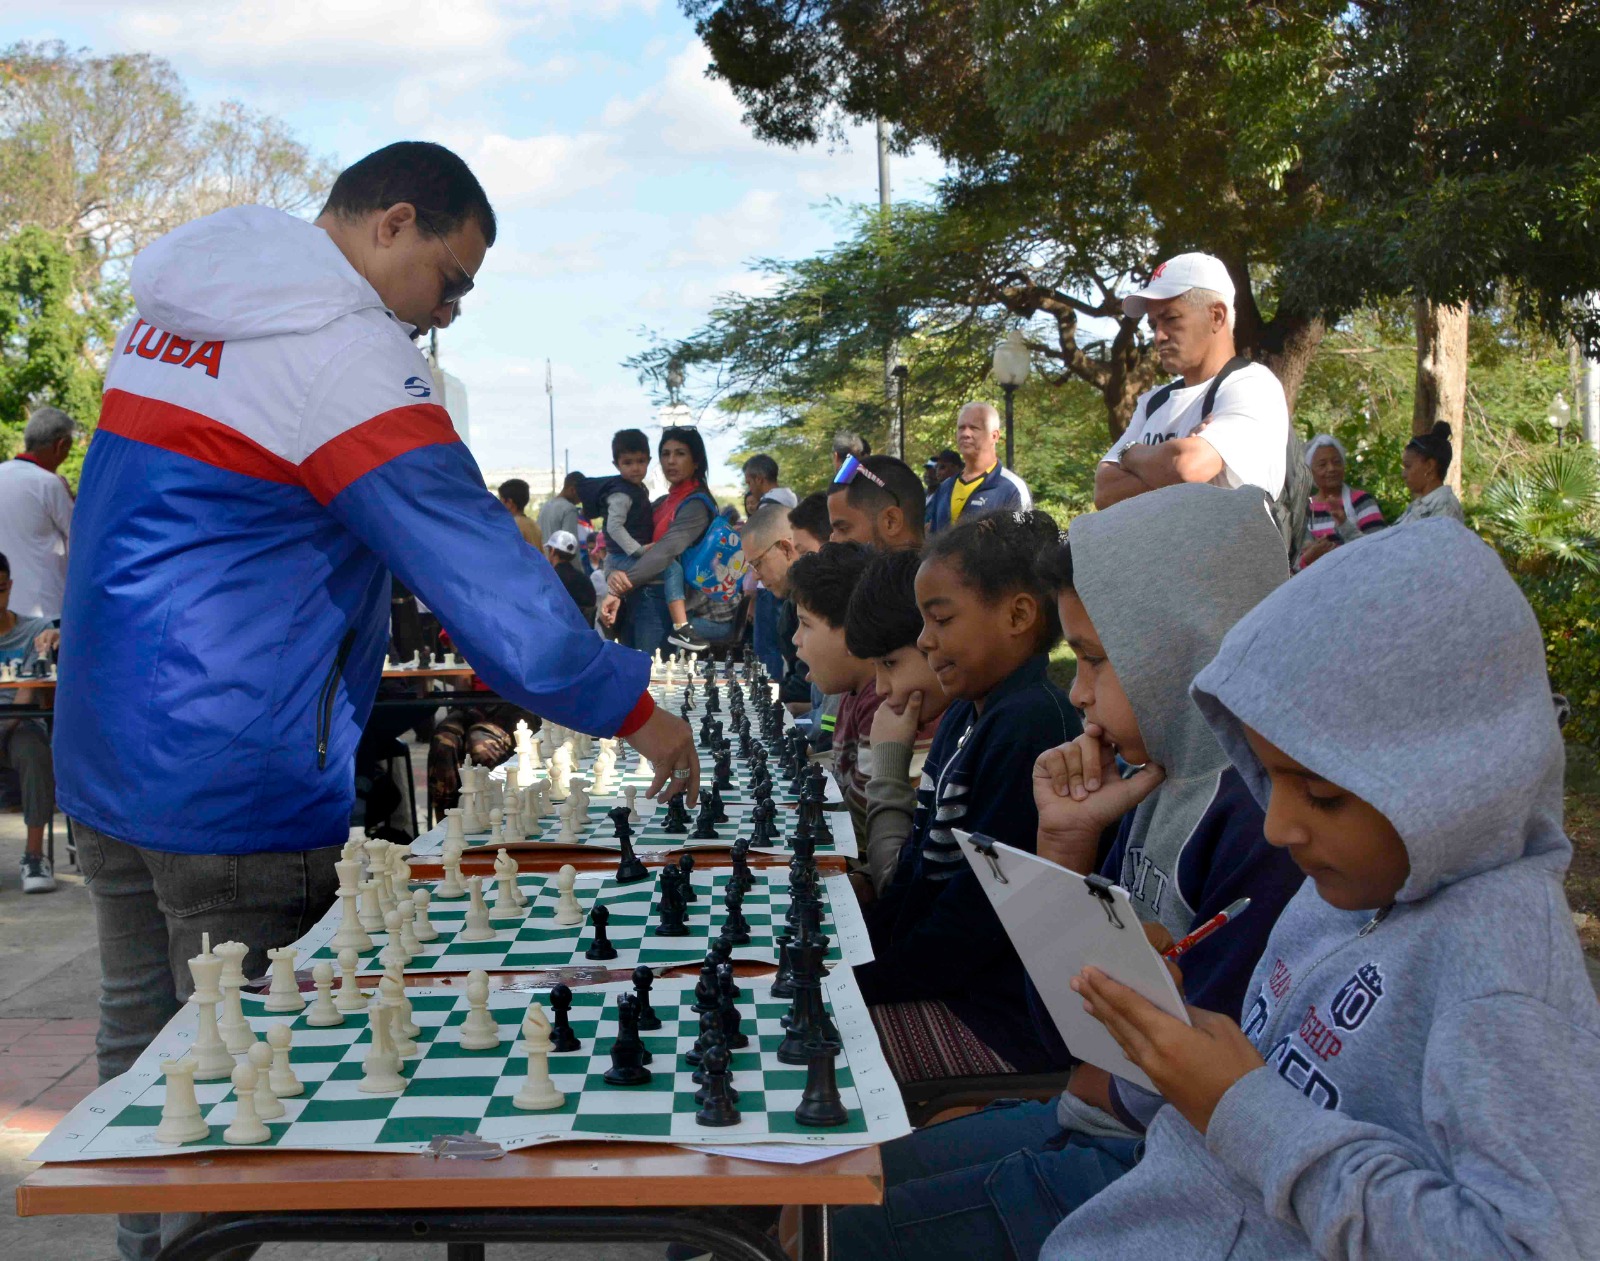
(714, 563)
(1293, 503)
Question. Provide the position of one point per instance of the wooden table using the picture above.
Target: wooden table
(566, 1192)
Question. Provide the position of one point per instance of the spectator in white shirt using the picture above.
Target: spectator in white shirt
(1224, 421)
(761, 484)
(36, 514)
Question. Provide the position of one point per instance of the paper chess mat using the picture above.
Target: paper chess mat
(452, 1091)
(534, 940)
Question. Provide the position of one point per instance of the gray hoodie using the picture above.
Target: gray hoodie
(1432, 1086)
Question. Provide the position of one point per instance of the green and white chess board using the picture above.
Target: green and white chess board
(534, 940)
(453, 1091)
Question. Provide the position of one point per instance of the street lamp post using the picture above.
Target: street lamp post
(901, 373)
(1560, 418)
(1011, 364)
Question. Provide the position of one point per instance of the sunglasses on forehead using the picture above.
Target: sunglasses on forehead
(853, 468)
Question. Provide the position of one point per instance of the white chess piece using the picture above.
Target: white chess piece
(247, 1127)
(402, 1022)
(423, 928)
(284, 993)
(393, 949)
(451, 886)
(629, 794)
(284, 1083)
(578, 801)
(378, 870)
(408, 934)
(538, 1093)
(323, 1014)
(477, 926)
(211, 1055)
(391, 994)
(350, 997)
(371, 915)
(506, 905)
(568, 910)
(268, 1107)
(350, 931)
(454, 832)
(181, 1121)
(380, 1071)
(479, 1032)
(235, 1029)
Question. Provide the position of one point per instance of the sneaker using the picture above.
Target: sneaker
(37, 876)
(685, 638)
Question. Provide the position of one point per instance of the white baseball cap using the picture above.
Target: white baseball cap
(1179, 275)
(562, 541)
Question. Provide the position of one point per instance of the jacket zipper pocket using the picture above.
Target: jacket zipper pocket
(330, 688)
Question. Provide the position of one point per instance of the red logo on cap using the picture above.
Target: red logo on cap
(1156, 274)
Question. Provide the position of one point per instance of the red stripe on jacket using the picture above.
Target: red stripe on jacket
(157, 423)
(356, 452)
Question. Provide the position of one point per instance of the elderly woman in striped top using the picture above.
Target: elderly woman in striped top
(1339, 513)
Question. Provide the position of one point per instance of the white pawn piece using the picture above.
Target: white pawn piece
(389, 995)
(323, 1013)
(506, 905)
(531, 761)
(477, 927)
(560, 773)
(267, 1106)
(350, 932)
(532, 808)
(479, 1031)
(211, 1056)
(538, 1093)
(394, 949)
(371, 914)
(380, 1071)
(181, 1121)
(454, 832)
(451, 886)
(284, 1083)
(350, 997)
(568, 910)
(235, 1029)
(569, 827)
(408, 934)
(494, 823)
(402, 1023)
(423, 928)
(247, 1127)
(630, 795)
(547, 738)
(284, 993)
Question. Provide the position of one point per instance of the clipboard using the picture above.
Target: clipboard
(1061, 922)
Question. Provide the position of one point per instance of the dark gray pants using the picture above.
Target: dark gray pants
(25, 749)
(150, 911)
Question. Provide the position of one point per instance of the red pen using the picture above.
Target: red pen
(1205, 930)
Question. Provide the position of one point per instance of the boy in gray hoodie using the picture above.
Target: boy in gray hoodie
(1418, 1071)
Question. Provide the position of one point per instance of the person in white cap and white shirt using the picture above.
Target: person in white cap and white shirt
(36, 514)
(1224, 421)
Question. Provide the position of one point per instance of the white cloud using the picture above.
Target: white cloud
(734, 235)
(538, 170)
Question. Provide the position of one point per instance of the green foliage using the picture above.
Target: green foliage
(1544, 517)
(1567, 605)
(44, 336)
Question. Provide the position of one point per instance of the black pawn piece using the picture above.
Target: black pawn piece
(673, 918)
(562, 1038)
(707, 993)
(735, 928)
(643, 979)
(783, 979)
(820, 1105)
(728, 1011)
(630, 870)
(627, 1050)
(718, 1108)
(741, 865)
(686, 870)
(719, 953)
(602, 948)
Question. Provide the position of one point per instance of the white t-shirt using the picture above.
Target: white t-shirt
(1248, 426)
(35, 524)
(780, 495)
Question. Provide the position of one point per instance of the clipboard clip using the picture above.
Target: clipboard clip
(1100, 890)
(985, 846)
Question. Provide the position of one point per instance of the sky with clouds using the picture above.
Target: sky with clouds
(629, 193)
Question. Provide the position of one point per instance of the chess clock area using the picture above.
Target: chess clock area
(535, 1053)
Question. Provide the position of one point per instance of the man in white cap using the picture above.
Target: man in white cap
(562, 549)
(1224, 420)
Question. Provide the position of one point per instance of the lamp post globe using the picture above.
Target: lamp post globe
(1011, 366)
(1560, 417)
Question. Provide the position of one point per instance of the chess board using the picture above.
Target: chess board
(535, 941)
(452, 1091)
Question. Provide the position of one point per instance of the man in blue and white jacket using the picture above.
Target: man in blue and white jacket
(984, 484)
(270, 447)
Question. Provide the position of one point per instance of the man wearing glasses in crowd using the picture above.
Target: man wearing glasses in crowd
(271, 447)
(877, 501)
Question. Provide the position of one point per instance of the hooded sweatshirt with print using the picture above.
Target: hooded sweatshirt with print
(1164, 577)
(1432, 1078)
(270, 444)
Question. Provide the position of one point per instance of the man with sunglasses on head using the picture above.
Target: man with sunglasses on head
(271, 447)
(877, 501)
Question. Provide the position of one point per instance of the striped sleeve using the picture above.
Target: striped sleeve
(1369, 516)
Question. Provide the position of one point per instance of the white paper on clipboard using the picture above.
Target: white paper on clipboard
(1059, 927)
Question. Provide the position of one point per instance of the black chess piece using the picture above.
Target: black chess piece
(713, 698)
(783, 978)
(643, 979)
(721, 952)
(707, 993)
(728, 1010)
(677, 816)
(808, 1019)
(705, 822)
(627, 1049)
(722, 774)
(741, 865)
(735, 928)
(686, 886)
(820, 1105)
(602, 948)
(562, 1038)
(718, 1109)
(630, 870)
(705, 730)
(710, 1031)
(674, 919)
(719, 811)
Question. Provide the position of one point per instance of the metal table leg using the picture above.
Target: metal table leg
(815, 1235)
